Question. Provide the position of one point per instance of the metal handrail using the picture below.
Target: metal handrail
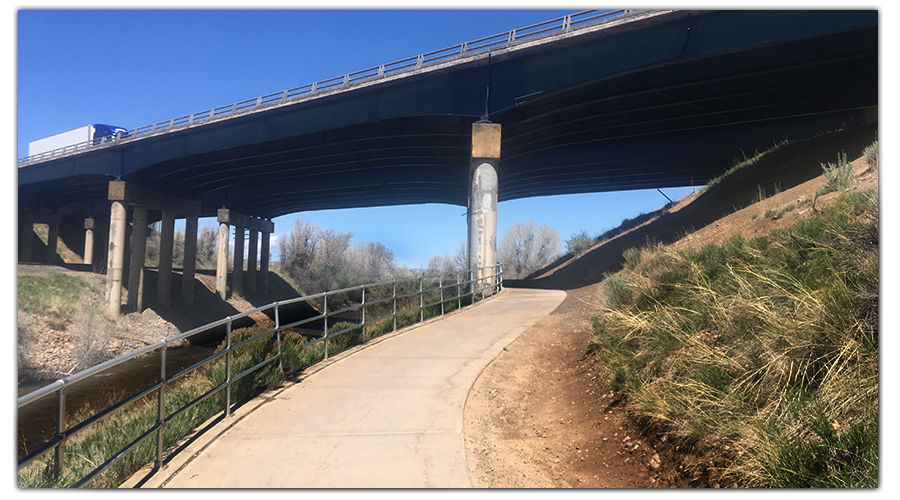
(485, 281)
(561, 25)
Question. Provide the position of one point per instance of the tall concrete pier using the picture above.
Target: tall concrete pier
(482, 213)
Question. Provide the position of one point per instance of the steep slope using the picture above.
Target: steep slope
(541, 415)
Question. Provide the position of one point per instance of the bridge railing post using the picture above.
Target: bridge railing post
(394, 296)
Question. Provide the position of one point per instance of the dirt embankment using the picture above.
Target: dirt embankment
(542, 415)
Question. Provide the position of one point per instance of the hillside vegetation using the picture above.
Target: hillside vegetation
(760, 355)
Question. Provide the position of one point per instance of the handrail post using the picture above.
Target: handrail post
(325, 312)
(363, 307)
(161, 408)
(441, 287)
(458, 293)
(61, 430)
(395, 306)
(421, 301)
(228, 368)
(278, 339)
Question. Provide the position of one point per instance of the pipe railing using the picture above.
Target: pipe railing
(429, 290)
(562, 25)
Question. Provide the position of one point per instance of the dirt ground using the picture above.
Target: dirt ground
(541, 416)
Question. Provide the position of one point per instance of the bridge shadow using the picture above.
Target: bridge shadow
(208, 307)
(782, 169)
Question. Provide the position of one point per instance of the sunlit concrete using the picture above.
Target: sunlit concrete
(387, 416)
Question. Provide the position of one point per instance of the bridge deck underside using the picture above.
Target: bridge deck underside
(676, 122)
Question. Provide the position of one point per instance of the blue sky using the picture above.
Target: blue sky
(138, 67)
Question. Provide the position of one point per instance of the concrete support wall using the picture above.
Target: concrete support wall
(88, 257)
(116, 257)
(483, 187)
(138, 256)
(190, 260)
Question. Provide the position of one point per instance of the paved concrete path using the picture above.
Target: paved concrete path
(387, 416)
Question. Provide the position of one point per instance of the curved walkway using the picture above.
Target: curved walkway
(388, 416)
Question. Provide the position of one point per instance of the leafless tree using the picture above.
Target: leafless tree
(207, 240)
(527, 247)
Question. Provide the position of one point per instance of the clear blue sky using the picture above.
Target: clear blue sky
(138, 67)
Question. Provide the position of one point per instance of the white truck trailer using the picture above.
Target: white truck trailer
(92, 133)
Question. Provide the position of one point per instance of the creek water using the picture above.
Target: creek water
(37, 421)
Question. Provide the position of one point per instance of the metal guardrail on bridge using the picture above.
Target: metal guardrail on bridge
(474, 283)
(560, 25)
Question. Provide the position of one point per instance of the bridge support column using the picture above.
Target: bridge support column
(52, 240)
(222, 260)
(26, 238)
(138, 256)
(264, 260)
(26, 249)
(122, 194)
(252, 250)
(115, 260)
(240, 222)
(190, 259)
(166, 247)
(482, 212)
(237, 269)
(88, 242)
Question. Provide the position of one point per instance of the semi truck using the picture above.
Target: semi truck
(92, 132)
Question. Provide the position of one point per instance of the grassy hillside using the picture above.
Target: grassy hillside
(760, 355)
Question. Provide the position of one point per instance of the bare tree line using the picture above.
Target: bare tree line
(317, 259)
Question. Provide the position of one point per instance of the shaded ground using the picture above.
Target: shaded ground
(541, 416)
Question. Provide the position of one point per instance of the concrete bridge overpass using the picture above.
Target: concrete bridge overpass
(624, 101)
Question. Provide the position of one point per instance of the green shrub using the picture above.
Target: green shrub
(619, 290)
(632, 258)
(579, 243)
(871, 155)
(838, 176)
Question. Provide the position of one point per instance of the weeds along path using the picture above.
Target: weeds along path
(386, 416)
